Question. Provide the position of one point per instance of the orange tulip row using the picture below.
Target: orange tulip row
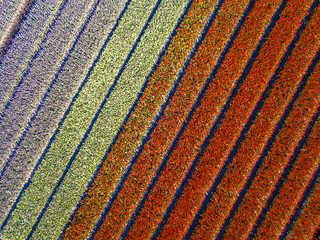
(230, 128)
(175, 114)
(190, 142)
(263, 127)
(284, 203)
(291, 192)
(154, 95)
(307, 225)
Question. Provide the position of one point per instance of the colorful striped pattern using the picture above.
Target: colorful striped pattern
(160, 119)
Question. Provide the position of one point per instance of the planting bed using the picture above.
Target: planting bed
(168, 126)
(14, 25)
(134, 128)
(286, 83)
(111, 112)
(24, 46)
(29, 92)
(7, 10)
(225, 135)
(181, 157)
(52, 109)
(307, 224)
(159, 119)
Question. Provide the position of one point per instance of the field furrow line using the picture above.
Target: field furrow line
(156, 205)
(305, 222)
(317, 233)
(261, 129)
(52, 109)
(38, 79)
(139, 119)
(241, 106)
(232, 226)
(110, 114)
(30, 94)
(181, 213)
(289, 190)
(159, 119)
(25, 45)
(279, 189)
(242, 223)
(7, 10)
(85, 108)
(149, 158)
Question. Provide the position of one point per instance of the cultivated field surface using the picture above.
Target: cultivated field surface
(159, 119)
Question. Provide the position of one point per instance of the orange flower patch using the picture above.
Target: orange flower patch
(304, 166)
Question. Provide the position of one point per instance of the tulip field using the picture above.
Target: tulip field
(160, 119)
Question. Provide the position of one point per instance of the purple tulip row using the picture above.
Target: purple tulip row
(7, 10)
(29, 93)
(39, 74)
(33, 29)
(55, 103)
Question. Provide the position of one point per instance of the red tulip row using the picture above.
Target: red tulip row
(261, 130)
(158, 87)
(198, 128)
(168, 127)
(308, 223)
(284, 204)
(230, 128)
(308, 161)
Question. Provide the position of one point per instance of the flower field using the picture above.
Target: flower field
(160, 119)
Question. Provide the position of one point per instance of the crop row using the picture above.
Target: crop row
(73, 127)
(29, 94)
(249, 209)
(262, 128)
(25, 45)
(308, 222)
(279, 212)
(159, 142)
(305, 221)
(180, 157)
(7, 10)
(287, 194)
(205, 115)
(52, 109)
(256, 78)
(154, 93)
(13, 27)
(151, 32)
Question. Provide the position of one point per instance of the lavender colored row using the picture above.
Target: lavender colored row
(64, 88)
(40, 74)
(29, 93)
(14, 25)
(27, 41)
(7, 10)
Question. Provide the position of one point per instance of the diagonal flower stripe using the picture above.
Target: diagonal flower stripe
(159, 119)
